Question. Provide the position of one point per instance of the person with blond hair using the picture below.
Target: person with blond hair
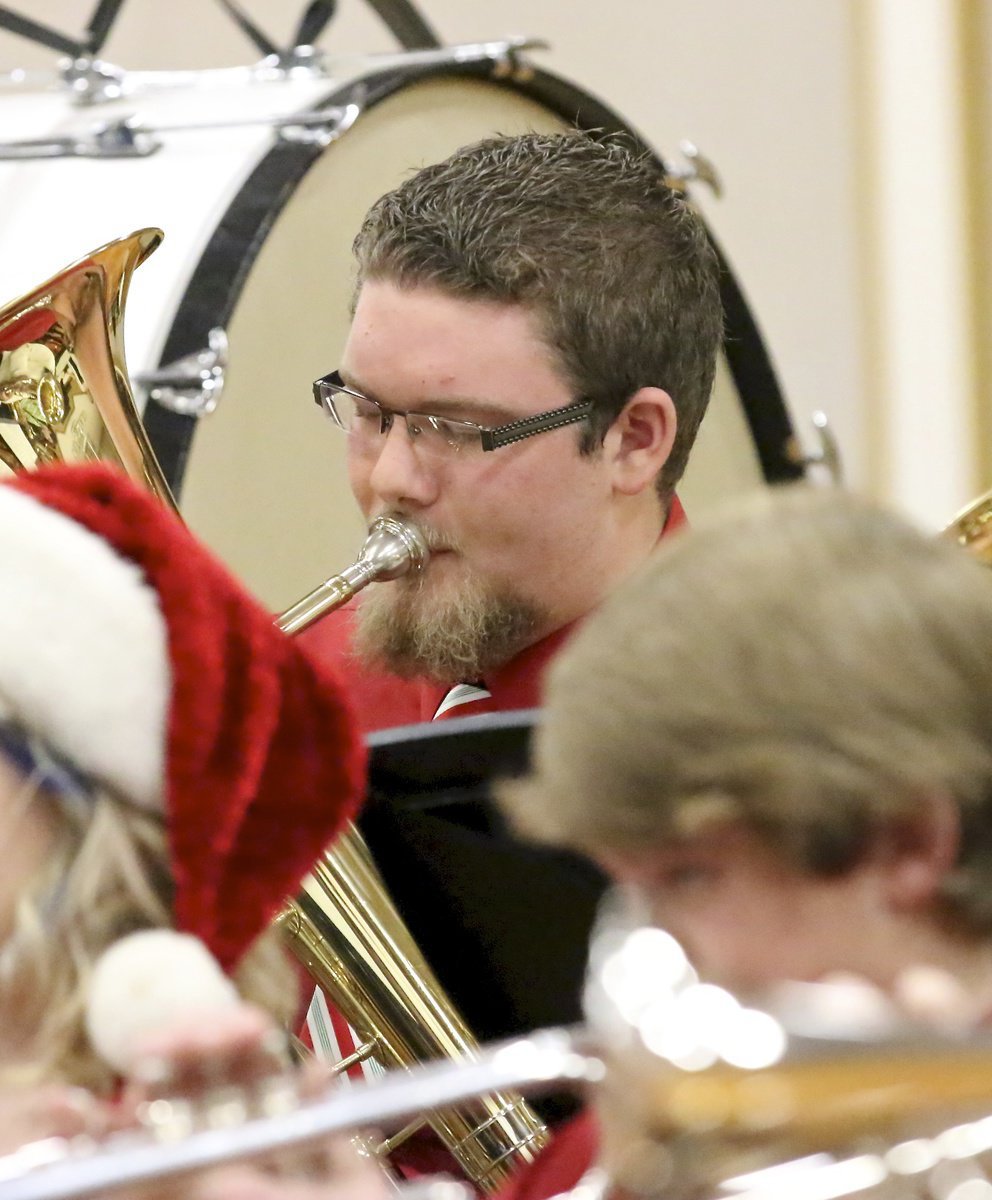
(779, 736)
(171, 765)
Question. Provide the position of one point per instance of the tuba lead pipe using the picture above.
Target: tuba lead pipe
(345, 930)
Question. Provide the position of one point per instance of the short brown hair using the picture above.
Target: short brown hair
(811, 666)
(615, 264)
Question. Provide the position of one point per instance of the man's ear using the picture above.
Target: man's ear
(921, 848)
(639, 441)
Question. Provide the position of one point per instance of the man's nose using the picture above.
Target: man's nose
(400, 474)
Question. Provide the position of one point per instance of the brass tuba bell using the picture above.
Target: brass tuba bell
(65, 397)
(64, 391)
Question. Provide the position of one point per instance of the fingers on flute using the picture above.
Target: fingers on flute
(237, 1047)
(53, 1110)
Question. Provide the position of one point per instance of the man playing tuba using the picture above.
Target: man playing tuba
(533, 345)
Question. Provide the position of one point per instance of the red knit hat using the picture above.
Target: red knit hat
(132, 651)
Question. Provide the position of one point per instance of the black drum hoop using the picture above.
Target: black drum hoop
(214, 289)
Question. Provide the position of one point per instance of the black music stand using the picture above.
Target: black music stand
(504, 924)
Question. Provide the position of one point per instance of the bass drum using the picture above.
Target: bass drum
(261, 479)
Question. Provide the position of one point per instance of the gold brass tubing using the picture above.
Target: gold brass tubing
(348, 934)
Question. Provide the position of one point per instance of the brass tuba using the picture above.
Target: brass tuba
(65, 396)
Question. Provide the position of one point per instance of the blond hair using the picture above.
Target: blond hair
(810, 666)
(107, 875)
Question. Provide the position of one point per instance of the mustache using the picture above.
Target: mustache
(435, 539)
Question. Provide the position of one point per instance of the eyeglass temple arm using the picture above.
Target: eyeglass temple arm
(526, 427)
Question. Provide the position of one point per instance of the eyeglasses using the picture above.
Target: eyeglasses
(366, 420)
(45, 766)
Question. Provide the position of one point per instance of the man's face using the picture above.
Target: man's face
(527, 524)
(747, 919)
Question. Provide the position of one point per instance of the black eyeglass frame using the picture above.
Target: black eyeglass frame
(491, 437)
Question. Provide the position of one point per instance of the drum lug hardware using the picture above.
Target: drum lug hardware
(126, 138)
(320, 128)
(302, 62)
(827, 454)
(114, 139)
(193, 385)
(91, 80)
(697, 168)
(507, 61)
(505, 55)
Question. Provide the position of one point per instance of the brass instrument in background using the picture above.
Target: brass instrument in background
(972, 528)
(65, 396)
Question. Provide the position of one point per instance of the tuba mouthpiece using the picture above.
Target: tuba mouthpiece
(393, 547)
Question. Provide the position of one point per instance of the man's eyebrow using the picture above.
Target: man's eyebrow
(464, 408)
(468, 408)
(350, 381)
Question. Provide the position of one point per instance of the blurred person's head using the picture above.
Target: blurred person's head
(781, 733)
(168, 759)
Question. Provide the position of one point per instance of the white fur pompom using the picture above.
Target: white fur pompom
(145, 982)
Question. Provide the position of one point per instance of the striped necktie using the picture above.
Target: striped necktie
(459, 695)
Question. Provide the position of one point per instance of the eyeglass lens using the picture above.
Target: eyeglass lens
(364, 421)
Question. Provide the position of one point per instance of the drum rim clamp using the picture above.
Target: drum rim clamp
(192, 385)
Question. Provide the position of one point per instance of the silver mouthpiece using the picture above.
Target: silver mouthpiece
(393, 547)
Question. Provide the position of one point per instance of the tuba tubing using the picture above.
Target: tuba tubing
(65, 397)
(345, 930)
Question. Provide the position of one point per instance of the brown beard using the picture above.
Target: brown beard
(450, 639)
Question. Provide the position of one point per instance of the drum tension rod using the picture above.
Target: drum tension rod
(192, 385)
